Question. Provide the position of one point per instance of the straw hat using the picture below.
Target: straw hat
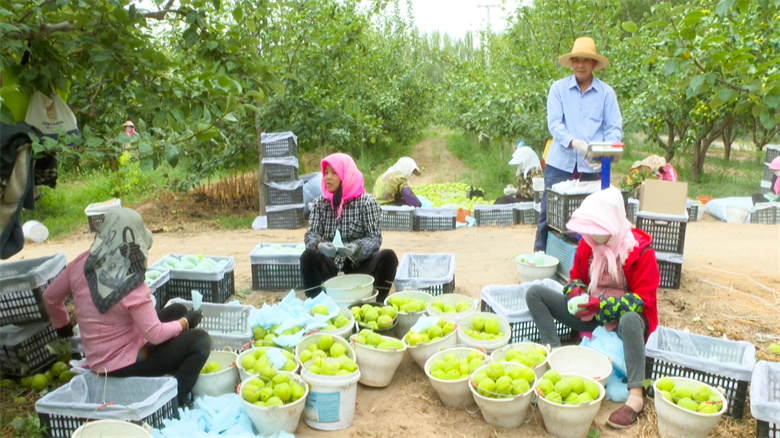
(584, 47)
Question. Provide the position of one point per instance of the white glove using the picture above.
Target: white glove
(595, 165)
(510, 190)
(580, 146)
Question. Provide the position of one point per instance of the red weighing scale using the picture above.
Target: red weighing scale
(605, 153)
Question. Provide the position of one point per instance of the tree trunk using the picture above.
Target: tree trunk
(260, 173)
(728, 139)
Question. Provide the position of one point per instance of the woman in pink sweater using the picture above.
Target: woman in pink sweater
(122, 333)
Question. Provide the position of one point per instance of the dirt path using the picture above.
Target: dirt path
(437, 163)
(730, 281)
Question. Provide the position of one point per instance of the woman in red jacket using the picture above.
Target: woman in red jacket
(616, 270)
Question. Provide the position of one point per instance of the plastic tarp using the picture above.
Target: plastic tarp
(420, 271)
(734, 359)
(284, 161)
(280, 208)
(30, 274)
(285, 185)
(509, 300)
(719, 207)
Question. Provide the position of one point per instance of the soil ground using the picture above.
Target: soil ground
(729, 289)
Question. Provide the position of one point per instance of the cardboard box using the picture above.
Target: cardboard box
(663, 197)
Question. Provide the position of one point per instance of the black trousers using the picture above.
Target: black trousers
(316, 268)
(182, 357)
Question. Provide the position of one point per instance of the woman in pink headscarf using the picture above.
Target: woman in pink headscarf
(345, 206)
(615, 274)
(773, 195)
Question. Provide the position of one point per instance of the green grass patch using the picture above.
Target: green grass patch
(234, 222)
(487, 163)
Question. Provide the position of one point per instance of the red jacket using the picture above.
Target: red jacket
(640, 269)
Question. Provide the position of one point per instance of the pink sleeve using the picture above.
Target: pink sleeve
(139, 305)
(54, 296)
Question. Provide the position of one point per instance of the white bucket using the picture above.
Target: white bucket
(369, 299)
(539, 369)
(488, 345)
(677, 422)
(107, 428)
(349, 287)
(243, 374)
(422, 352)
(508, 413)
(407, 319)
(581, 360)
(314, 337)
(330, 404)
(221, 382)
(453, 393)
(35, 232)
(345, 331)
(570, 421)
(453, 299)
(274, 419)
(377, 367)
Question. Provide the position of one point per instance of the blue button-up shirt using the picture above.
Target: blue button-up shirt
(592, 116)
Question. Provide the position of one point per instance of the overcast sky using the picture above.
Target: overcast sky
(456, 17)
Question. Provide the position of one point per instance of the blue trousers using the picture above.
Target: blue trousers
(553, 176)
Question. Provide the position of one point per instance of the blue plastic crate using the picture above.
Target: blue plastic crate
(563, 248)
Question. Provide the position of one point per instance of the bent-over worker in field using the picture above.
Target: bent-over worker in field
(615, 269)
(528, 168)
(581, 109)
(392, 187)
(345, 206)
(121, 332)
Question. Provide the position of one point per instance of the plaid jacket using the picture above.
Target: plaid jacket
(359, 223)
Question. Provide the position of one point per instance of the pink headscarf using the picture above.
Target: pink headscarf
(774, 166)
(350, 176)
(603, 213)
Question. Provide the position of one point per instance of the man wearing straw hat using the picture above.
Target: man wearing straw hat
(580, 109)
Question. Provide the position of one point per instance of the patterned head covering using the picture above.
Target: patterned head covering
(407, 166)
(117, 259)
(350, 176)
(603, 214)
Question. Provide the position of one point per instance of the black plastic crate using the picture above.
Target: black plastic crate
(764, 429)
(216, 286)
(667, 235)
(23, 349)
(397, 219)
(526, 216)
(772, 152)
(631, 209)
(527, 329)
(285, 217)
(279, 172)
(275, 195)
(560, 208)
(767, 375)
(766, 216)
(768, 173)
(22, 284)
(434, 219)
(671, 273)
(57, 425)
(281, 146)
(500, 216)
(275, 271)
(693, 212)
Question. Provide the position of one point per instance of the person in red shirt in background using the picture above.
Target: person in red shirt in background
(121, 332)
(615, 269)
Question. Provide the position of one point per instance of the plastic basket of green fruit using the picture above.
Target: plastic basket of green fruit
(484, 330)
(451, 306)
(410, 305)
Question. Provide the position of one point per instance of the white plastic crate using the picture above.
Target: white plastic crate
(227, 324)
(431, 273)
(22, 284)
(714, 361)
(275, 271)
(97, 212)
(509, 302)
(89, 397)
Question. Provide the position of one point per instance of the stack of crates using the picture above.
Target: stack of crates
(26, 330)
(283, 190)
(668, 241)
(772, 152)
